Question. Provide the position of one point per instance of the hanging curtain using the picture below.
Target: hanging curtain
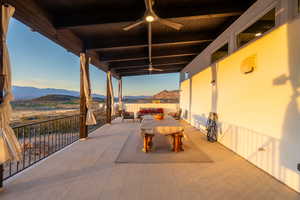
(10, 148)
(120, 95)
(90, 118)
(111, 91)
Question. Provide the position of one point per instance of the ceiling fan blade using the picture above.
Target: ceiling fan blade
(131, 26)
(158, 70)
(173, 25)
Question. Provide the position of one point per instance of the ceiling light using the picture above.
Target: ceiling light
(149, 18)
(258, 34)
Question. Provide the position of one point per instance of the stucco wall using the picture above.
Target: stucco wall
(201, 100)
(259, 112)
(185, 99)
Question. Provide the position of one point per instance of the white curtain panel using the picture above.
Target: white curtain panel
(111, 91)
(90, 118)
(10, 148)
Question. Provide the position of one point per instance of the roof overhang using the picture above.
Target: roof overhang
(95, 27)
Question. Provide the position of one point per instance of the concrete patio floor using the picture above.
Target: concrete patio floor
(86, 170)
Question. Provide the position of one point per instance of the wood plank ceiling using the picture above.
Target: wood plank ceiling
(95, 26)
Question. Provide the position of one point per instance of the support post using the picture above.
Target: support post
(1, 87)
(120, 95)
(108, 100)
(83, 109)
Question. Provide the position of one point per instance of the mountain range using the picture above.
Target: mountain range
(167, 94)
(25, 92)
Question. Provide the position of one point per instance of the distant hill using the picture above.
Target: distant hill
(27, 93)
(23, 92)
(165, 94)
(55, 98)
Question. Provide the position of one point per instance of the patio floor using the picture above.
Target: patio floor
(86, 170)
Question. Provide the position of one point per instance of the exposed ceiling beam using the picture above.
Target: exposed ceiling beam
(99, 43)
(155, 61)
(148, 73)
(154, 65)
(147, 70)
(219, 15)
(166, 67)
(158, 53)
(81, 21)
(154, 57)
(175, 43)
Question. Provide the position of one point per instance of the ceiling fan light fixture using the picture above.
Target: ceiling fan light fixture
(149, 18)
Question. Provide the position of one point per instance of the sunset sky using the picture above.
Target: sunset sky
(39, 62)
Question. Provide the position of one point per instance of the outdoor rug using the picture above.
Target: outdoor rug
(161, 151)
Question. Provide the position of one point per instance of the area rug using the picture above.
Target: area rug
(161, 152)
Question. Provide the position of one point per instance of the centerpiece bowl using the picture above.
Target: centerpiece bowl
(159, 116)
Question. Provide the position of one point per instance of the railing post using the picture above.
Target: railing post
(1, 87)
(83, 108)
(108, 100)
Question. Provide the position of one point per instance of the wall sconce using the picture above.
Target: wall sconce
(213, 82)
(248, 65)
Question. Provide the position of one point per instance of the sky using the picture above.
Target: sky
(37, 61)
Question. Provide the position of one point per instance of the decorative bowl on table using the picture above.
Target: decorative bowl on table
(159, 116)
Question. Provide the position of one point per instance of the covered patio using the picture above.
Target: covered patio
(111, 36)
(87, 170)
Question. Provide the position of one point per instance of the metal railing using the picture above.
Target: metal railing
(41, 139)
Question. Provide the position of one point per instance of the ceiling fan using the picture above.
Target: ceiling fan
(150, 16)
(151, 69)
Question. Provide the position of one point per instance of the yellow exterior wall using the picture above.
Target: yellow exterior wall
(259, 112)
(261, 102)
(252, 107)
(201, 98)
(185, 98)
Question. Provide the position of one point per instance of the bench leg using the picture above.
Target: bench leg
(180, 143)
(147, 143)
(173, 139)
(178, 146)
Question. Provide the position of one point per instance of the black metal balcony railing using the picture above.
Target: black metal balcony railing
(41, 139)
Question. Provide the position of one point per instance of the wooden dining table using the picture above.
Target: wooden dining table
(167, 126)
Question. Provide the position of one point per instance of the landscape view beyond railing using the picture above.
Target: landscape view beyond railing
(35, 104)
(45, 122)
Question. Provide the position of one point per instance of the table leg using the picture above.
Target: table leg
(149, 143)
(178, 143)
(176, 146)
(145, 149)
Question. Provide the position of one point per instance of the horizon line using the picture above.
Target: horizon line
(79, 91)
